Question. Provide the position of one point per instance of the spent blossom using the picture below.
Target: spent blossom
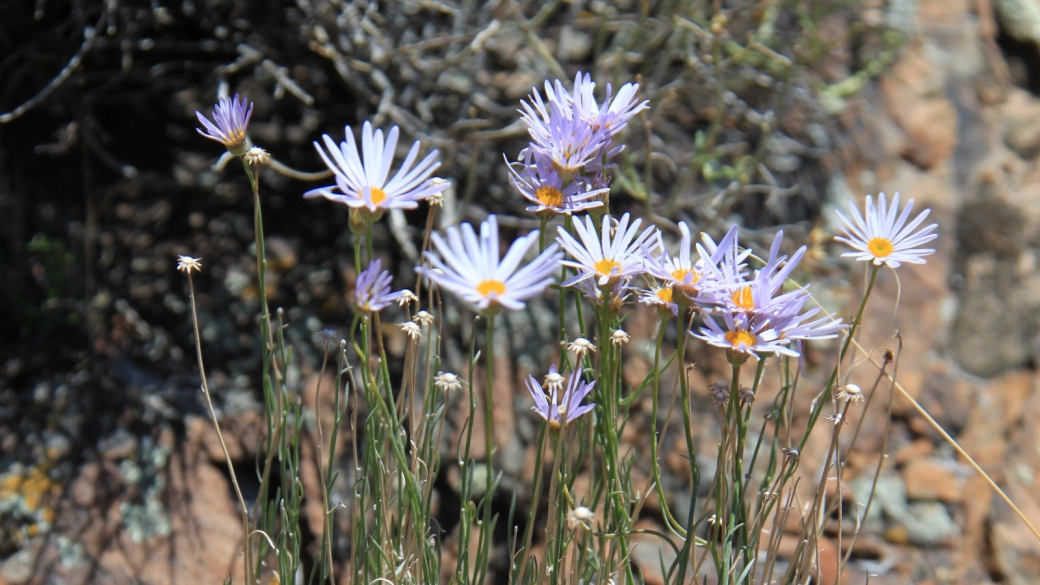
(229, 124)
(619, 337)
(423, 318)
(581, 346)
(469, 266)
(850, 393)
(883, 236)
(560, 410)
(553, 380)
(447, 381)
(328, 339)
(411, 329)
(187, 264)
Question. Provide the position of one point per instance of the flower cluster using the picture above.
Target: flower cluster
(572, 138)
(563, 171)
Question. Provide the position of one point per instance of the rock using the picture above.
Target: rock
(929, 524)
(241, 431)
(648, 551)
(1021, 117)
(281, 254)
(999, 301)
(919, 448)
(928, 478)
(119, 445)
(1015, 552)
(84, 488)
(20, 567)
(574, 45)
(914, 96)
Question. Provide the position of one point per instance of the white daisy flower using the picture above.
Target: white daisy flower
(882, 237)
(608, 256)
(472, 270)
(361, 179)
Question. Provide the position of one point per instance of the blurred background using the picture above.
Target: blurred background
(769, 114)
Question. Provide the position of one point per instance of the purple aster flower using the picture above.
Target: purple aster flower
(361, 178)
(681, 273)
(660, 297)
(616, 295)
(615, 253)
(744, 334)
(230, 120)
(572, 145)
(883, 238)
(372, 289)
(615, 113)
(542, 185)
(561, 410)
(471, 268)
(759, 294)
(797, 326)
(758, 318)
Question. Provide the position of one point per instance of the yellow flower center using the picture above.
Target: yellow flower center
(606, 266)
(549, 196)
(743, 298)
(665, 294)
(237, 137)
(880, 247)
(680, 274)
(486, 287)
(740, 336)
(378, 195)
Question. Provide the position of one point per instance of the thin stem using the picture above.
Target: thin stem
(220, 435)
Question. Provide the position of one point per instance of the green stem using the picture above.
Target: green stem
(818, 408)
(670, 520)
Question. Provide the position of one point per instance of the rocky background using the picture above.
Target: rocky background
(110, 471)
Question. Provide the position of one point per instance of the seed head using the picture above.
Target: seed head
(580, 347)
(327, 338)
(423, 318)
(580, 515)
(619, 337)
(850, 393)
(406, 297)
(187, 264)
(718, 393)
(747, 395)
(553, 380)
(412, 329)
(447, 381)
(257, 156)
